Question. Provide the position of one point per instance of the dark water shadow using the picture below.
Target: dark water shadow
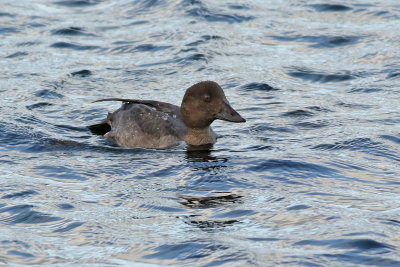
(82, 73)
(77, 3)
(204, 160)
(202, 153)
(205, 202)
(208, 225)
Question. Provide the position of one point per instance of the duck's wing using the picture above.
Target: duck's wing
(105, 126)
(158, 105)
(125, 100)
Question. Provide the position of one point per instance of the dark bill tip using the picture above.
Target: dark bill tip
(227, 113)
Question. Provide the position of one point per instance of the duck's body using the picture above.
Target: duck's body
(151, 125)
(154, 124)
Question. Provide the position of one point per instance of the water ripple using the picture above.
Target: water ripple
(68, 228)
(65, 206)
(65, 45)
(258, 86)
(393, 74)
(8, 30)
(314, 76)
(25, 215)
(74, 31)
(361, 259)
(197, 9)
(215, 17)
(362, 244)
(235, 214)
(330, 7)
(365, 145)
(20, 194)
(39, 105)
(321, 41)
(5, 14)
(294, 168)
(48, 94)
(298, 113)
(298, 207)
(204, 39)
(311, 177)
(62, 173)
(17, 54)
(353, 144)
(186, 251)
(316, 124)
(391, 138)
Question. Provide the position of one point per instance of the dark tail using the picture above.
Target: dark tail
(100, 129)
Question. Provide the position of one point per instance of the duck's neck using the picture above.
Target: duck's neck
(198, 137)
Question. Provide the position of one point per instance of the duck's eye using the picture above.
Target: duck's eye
(207, 98)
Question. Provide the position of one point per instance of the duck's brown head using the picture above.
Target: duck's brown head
(205, 102)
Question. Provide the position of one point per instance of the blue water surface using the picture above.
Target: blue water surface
(311, 179)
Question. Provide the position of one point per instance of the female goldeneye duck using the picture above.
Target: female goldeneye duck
(154, 124)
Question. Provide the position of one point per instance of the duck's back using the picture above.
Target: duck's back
(150, 124)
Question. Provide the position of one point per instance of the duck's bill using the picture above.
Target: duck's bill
(227, 113)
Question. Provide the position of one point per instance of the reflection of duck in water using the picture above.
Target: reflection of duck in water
(154, 124)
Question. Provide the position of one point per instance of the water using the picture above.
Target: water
(311, 179)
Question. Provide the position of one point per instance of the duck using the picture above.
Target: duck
(160, 125)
